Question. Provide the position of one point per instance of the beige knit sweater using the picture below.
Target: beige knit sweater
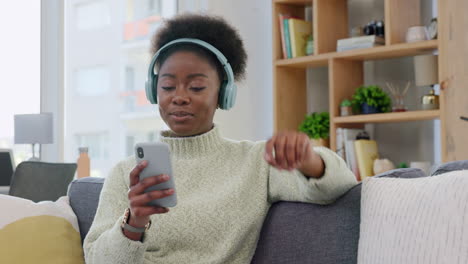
(224, 190)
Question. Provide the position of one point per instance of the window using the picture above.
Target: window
(20, 67)
(92, 15)
(92, 81)
(106, 63)
(129, 78)
(130, 143)
(139, 136)
(154, 7)
(152, 136)
(97, 144)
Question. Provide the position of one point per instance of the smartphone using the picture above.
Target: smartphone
(159, 162)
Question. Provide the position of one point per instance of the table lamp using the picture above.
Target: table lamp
(34, 129)
(426, 72)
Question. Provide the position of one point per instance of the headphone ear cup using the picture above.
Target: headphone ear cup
(150, 87)
(227, 95)
(154, 89)
(222, 95)
(232, 95)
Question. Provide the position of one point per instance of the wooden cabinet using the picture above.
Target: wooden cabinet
(346, 69)
(453, 73)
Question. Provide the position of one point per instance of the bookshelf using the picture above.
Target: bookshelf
(389, 117)
(346, 69)
(377, 53)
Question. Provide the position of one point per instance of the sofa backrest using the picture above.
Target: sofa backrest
(291, 233)
(84, 199)
(311, 233)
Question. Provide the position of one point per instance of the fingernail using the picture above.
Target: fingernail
(169, 191)
(165, 177)
(143, 163)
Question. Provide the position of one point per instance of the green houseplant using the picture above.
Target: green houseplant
(317, 127)
(346, 107)
(346, 102)
(371, 99)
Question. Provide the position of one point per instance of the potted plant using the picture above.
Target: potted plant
(371, 99)
(346, 108)
(317, 127)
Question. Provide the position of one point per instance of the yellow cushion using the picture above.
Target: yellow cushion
(45, 232)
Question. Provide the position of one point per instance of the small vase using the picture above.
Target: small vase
(321, 142)
(346, 110)
(398, 104)
(367, 109)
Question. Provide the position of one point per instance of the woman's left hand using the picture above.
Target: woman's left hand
(293, 150)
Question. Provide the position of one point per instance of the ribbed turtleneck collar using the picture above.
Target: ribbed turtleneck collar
(198, 145)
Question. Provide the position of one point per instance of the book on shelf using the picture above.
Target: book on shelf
(351, 159)
(350, 134)
(340, 143)
(358, 46)
(282, 18)
(294, 33)
(299, 32)
(366, 154)
(345, 147)
(359, 43)
(308, 13)
(287, 38)
(361, 40)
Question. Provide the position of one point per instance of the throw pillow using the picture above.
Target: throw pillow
(44, 232)
(421, 220)
(402, 173)
(451, 166)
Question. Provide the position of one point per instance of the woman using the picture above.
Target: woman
(224, 187)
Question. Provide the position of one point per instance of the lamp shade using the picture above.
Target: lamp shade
(34, 128)
(426, 70)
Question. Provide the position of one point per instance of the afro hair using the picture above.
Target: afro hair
(212, 29)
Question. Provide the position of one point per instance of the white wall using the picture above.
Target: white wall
(252, 116)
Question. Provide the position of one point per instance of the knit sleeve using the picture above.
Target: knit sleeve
(295, 187)
(105, 241)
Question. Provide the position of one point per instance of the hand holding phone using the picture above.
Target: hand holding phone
(149, 185)
(158, 160)
(140, 211)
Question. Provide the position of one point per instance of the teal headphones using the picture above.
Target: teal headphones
(227, 91)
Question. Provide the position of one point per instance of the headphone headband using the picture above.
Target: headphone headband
(227, 93)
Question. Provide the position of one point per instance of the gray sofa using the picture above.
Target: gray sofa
(292, 232)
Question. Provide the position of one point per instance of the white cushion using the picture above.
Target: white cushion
(422, 220)
(44, 232)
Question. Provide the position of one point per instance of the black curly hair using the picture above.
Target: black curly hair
(212, 29)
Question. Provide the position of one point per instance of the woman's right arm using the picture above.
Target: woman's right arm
(106, 242)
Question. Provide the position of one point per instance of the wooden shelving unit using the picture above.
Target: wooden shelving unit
(388, 117)
(345, 69)
(389, 51)
(292, 2)
(306, 61)
(377, 53)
